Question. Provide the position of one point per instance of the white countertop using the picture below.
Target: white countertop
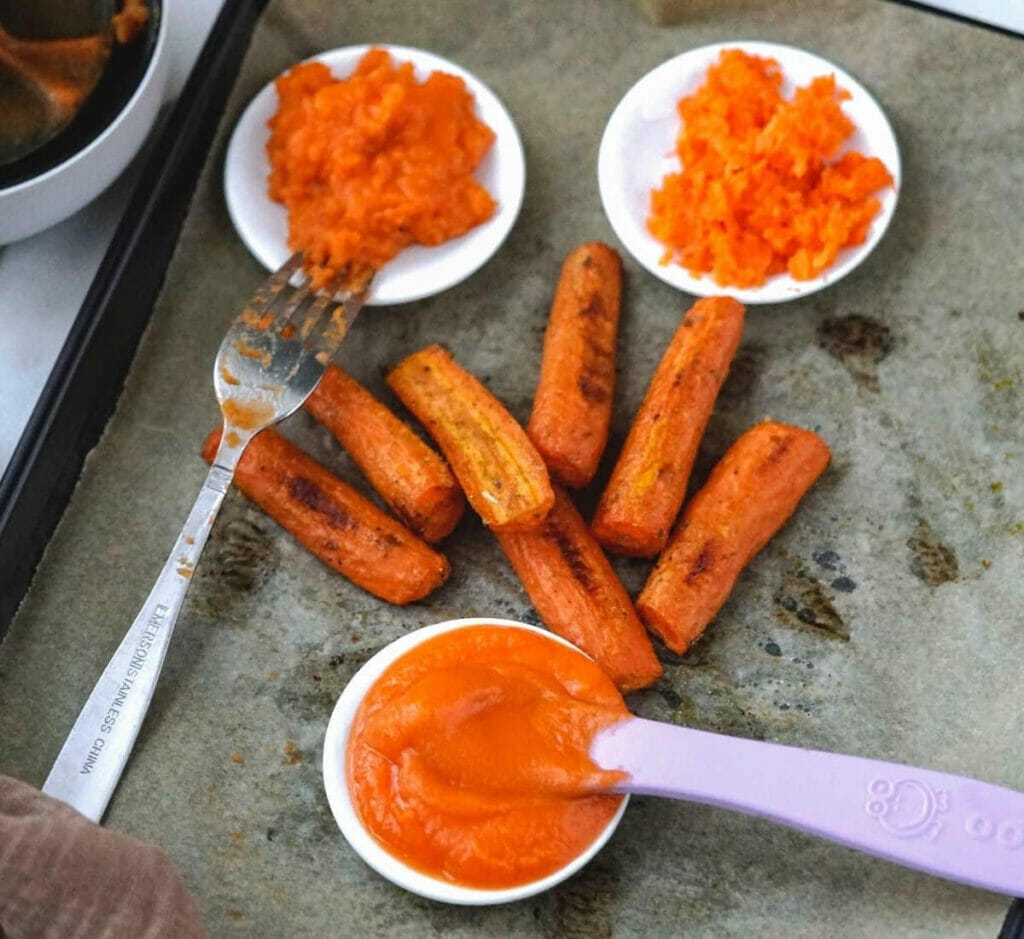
(1007, 14)
(44, 279)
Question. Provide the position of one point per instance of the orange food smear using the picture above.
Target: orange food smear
(469, 758)
(375, 162)
(757, 194)
(131, 21)
(246, 415)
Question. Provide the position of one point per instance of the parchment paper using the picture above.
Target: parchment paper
(911, 545)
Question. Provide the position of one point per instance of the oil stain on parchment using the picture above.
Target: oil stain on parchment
(930, 560)
(802, 600)
(744, 374)
(999, 374)
(697, 691)
(860, 343)
(309, 690)
(581, 908)
(304, 822)
(239, 558)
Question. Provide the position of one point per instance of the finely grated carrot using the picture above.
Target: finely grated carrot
(372, 163)
(761, 191)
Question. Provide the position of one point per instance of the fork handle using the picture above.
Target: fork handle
(94, 755)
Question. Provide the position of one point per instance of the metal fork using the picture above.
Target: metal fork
(270, 361)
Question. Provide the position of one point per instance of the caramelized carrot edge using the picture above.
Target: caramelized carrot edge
(648, 484)
(748, 497)
(339, 526)
(572, 405)
(579, 596)
(500, 471)
(407, 474)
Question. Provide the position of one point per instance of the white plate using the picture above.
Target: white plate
(417, 272)
(638, 150)
(356, 834)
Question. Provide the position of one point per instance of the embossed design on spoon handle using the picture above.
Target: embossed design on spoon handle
(947, 825)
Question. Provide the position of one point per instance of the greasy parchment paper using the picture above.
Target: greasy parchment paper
(884, 620)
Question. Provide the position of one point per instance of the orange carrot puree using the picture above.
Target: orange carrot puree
(372, 163)
(469, 758)
(757, 194)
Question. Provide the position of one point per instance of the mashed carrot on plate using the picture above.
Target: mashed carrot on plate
(370, 164)
(760, 191)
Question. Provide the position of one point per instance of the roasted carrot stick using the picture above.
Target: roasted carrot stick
(578, 595)
(648, 484)
(342, 528)
(501, 473)
(573, 402)
(751, 492)
(408, 475)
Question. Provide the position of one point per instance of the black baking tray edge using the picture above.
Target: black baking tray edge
(86, 381)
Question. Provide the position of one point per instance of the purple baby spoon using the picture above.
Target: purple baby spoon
(946, 825)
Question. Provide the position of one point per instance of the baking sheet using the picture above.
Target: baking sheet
(912, 543)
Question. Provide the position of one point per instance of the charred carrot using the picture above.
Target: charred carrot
(748, 497)
(501, 473)
(648, 484)
(572, 406)
(407, 474)
(342, 528)
(578, 595)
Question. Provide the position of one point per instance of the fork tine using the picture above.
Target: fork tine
(293, 315)
(286, 316)
(330, 330)
(324, 299)
(268, 291)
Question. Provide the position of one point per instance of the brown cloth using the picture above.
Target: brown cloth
(63, 876)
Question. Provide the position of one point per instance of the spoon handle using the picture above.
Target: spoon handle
(947, 825)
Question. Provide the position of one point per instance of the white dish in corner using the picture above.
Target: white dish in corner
(418, 271)
(638, 150)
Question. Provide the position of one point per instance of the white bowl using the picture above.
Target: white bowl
(418, 271)
(638, 150)
(363, 843)
(35, 204)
